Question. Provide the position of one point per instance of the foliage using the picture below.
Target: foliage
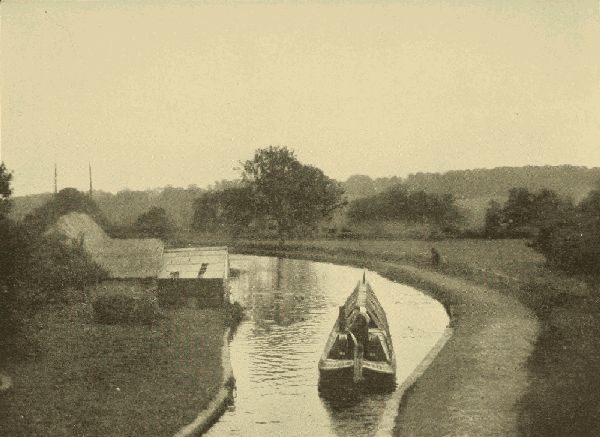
(295, 196)
(9, 247)
(38, 269)
(121, 307)
(5, 190)
(122, 209)
(494, 218)
(566, 180)
(154, 223)
(398, 203)
(231, 209)
(53, 266)
(526, 213)
(572, 243)
(66, 200)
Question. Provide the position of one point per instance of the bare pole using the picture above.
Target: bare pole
(55, 180)
(90, 168)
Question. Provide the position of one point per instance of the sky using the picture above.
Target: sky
(177, 93)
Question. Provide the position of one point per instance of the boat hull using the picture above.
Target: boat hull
(359, 353)
(343, 379)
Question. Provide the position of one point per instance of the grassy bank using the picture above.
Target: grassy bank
(562, 394)
(85, 379)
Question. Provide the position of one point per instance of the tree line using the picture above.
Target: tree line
(565, 232)
(566, 180)
(401, 204)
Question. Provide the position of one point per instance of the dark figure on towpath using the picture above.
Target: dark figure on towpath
(435, 257)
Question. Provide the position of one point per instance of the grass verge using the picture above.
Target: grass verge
(113, 380)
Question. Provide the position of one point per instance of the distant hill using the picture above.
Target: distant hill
(126, 206)
(473, 189)
(566, 180)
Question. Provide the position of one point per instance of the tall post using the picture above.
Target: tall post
(90, 167)
(55, 180)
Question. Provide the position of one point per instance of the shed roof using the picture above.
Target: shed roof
(195, 262)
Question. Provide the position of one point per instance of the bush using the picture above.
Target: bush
(572, 243)
(574, 248)
(54, 267)
(120, 307)
(154, 223)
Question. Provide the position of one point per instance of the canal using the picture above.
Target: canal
(291, 307)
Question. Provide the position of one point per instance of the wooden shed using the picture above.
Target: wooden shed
(198, 275)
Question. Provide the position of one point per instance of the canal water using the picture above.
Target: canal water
(291, 307)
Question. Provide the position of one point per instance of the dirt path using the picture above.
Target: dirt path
(473, 385)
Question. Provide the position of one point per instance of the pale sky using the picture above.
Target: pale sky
(157, 93)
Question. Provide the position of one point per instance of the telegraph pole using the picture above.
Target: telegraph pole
(90, 167)
(55, 180)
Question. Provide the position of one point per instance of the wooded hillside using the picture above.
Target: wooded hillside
(473, 190)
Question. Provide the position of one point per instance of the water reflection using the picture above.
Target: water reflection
(292, 306)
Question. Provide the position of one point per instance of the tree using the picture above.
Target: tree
(5, 190)
(13, 250)
(494, 219)
(64, 202)
(570, 240)
(519, 209)
(295, 196)
(11, 235)
(399, 204)
(231, 209)
(154, 223)
(206, 212)
(6, 228)
(549, 208)
(358, 187)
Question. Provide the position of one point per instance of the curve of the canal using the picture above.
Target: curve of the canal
(291, 307)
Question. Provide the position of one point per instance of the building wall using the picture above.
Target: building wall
(201, 292)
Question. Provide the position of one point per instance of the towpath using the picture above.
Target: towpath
(474, 384)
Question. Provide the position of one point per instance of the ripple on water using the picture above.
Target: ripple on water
(291, 308)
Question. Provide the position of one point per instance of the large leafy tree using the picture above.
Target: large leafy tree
(295, 196)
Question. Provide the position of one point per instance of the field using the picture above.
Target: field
(511, 258)
(84, 379)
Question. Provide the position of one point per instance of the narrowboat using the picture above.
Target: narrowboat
(359, 350)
